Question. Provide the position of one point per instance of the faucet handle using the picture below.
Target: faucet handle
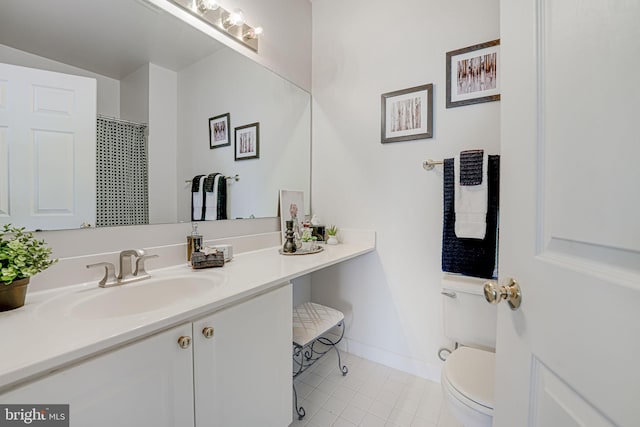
(140, 271)
(109, 273)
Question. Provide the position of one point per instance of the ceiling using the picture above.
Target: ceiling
(109, 37)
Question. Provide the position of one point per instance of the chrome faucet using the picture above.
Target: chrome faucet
(126, 274)
(126, 271)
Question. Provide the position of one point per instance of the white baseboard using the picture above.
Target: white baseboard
(393, 360)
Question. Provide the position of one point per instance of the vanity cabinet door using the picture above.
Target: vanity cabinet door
(148, 383)
(242, 371)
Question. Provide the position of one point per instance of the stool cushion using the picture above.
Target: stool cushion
(310, 320)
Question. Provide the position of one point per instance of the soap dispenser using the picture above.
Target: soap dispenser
(194, 241)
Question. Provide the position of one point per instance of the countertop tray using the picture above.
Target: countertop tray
(302, 251)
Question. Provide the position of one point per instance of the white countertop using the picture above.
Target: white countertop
(36, 339)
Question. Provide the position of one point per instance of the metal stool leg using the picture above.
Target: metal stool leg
(299, 409)
(326, 341)
(297, 352)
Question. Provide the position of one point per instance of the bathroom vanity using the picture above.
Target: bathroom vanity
(218, 355)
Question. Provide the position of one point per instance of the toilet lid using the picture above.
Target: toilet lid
(472, 373)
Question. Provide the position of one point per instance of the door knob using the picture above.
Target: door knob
(510, 292)
(208, 332)
(184, 342)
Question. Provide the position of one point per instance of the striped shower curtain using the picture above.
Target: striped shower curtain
(122, 173)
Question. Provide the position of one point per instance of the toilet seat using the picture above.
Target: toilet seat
(468, 375)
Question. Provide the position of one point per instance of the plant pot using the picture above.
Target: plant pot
(307, 246)
(12, 295)
(332, 240)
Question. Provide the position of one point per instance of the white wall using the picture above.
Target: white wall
(163, 137)
(227, 82)
(150, 95)
(108, 89)
(134, 96)
(391, 298)
(285, 46)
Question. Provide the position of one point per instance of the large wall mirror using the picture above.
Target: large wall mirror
(144, 67)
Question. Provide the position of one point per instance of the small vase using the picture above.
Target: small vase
(289, 244)
(306, 246)
(12, 295)
(332, 240)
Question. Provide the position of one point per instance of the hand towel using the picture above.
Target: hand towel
(471, 167)
(222, 197)
(471, 257)
(197, 197)
(211, 198)
(470, 203)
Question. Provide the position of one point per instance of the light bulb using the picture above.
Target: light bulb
(206, 5)
(253, 33)
(236, 17)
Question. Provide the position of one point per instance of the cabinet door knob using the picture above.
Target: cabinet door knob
(208, 332)
(184, 342)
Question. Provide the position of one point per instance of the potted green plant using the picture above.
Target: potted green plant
(21, 256)
(332, 230)
(308, 240)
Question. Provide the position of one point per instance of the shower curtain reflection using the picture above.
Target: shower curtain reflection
(122, 173)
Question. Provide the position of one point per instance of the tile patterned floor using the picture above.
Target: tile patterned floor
(370, 395)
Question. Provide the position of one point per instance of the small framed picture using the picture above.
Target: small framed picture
(473, 76)
(407, 114)
(219, 131)
(248, 142)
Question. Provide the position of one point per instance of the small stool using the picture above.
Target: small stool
(310, 322)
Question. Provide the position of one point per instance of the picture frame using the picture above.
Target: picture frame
(473, 74)
(247, 142)
(407, 114)
(219, 131)
(291, 209)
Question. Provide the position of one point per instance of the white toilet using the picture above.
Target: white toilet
(468, 372)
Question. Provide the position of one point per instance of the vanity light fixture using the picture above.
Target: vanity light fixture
(203, 6)
(230, 23)
(253, 33)
(234, 18)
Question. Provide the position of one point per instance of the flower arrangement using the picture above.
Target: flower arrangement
(21, 255)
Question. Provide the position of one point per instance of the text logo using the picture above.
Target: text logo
(34, 415)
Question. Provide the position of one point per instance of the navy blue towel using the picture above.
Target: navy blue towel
(195, 183)
(208, 182)
(471, 257)
(221, 197)
(471, 167)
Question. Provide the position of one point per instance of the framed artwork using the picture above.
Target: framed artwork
(248, 142)
(219, 129)
(291, 209)
(407, 114)
(473, 76)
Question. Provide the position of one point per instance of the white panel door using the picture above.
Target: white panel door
(47, 148)
(570, 222)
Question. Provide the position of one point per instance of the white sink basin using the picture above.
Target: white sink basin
(133, 298)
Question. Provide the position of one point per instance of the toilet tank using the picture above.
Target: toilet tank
(468, 318)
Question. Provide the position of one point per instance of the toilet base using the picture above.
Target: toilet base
(465, 415)
(467, 385)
